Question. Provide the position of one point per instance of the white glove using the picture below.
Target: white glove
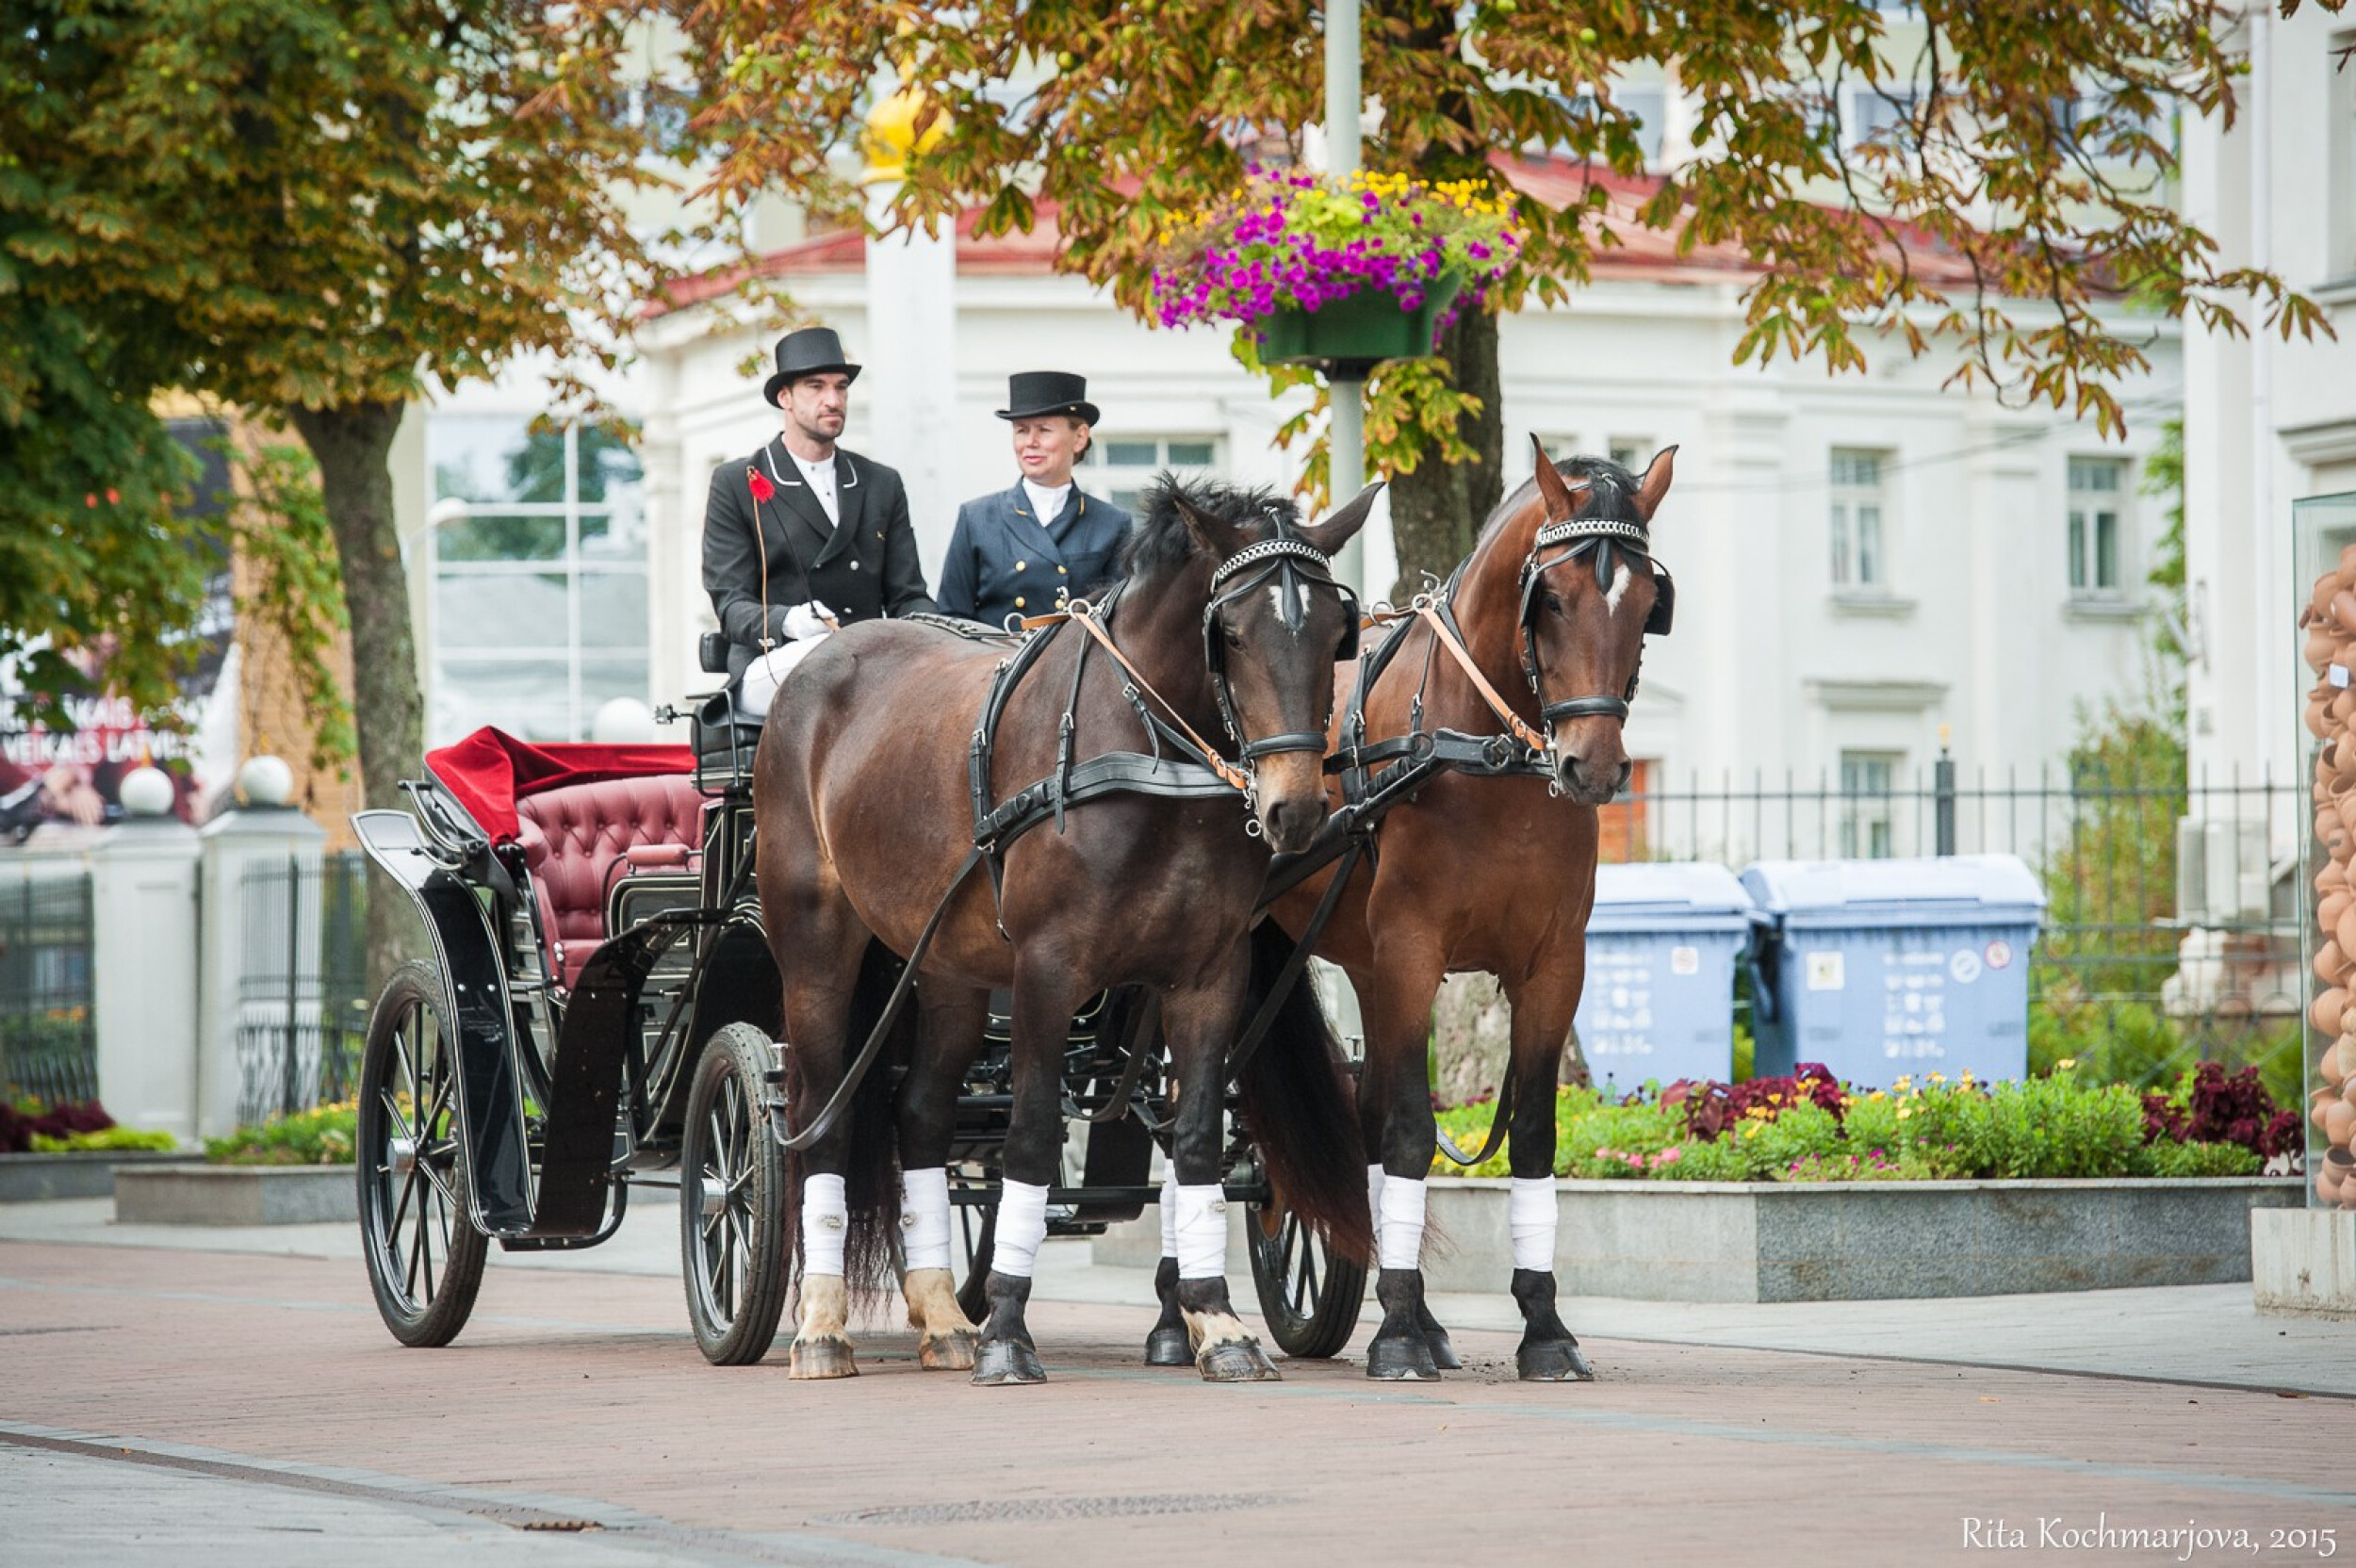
(805, 621)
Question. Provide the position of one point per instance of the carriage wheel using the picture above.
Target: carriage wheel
(731, 1202)
(973, 1236)
(424, 1255)
(1309, 1297)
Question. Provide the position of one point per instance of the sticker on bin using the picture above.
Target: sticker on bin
(1825, 970)
(1998, 954)
(1914, 1021)
(1964, 966)
(1685, 960)
(1622, 1026)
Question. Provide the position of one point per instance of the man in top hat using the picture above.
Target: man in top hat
(1024, 550)
(802, 537)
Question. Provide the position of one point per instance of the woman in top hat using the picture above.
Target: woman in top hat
(802, 536)
(1024, 550)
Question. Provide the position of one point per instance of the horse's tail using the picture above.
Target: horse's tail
(1296, 1097)
(871, 1184)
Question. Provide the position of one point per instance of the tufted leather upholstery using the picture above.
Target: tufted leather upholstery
(573, 835)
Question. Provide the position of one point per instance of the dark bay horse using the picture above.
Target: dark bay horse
(1494, 874)
(1228, 618)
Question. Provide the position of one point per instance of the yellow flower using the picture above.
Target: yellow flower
(1905, 1111)
(2065, 1064)
(1939, 1077)
(1876, 1095)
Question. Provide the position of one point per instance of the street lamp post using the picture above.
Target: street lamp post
(1345, 427)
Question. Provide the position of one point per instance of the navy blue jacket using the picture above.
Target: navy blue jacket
(1001, 563)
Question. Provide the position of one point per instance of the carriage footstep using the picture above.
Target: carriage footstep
(815, 1358)
(999, 1362)
(1168, 1346)
(1553, 1361)
(949, 1352)
(1239, 1361)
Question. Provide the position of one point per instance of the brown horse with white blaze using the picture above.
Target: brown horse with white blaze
(866, 800)
(1492, 868)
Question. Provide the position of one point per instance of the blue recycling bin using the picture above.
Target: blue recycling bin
(1884, 967)
(1662, 947)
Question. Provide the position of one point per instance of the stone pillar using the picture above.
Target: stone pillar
(143, 967)
(262, 836)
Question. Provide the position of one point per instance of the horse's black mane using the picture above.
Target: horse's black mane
(1611, 493)
(1160, 541)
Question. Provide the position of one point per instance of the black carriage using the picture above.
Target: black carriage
(597, 1013)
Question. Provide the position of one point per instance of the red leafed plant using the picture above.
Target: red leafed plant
(1710, 1108)
(2207, 1106)
(20, 1121)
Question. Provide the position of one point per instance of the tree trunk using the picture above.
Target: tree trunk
(1437, 511)
(352, 444)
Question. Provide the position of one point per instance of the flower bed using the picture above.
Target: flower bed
(321, 1136)
(1810, 1128)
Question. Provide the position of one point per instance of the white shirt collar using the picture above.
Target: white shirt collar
(1046, 504)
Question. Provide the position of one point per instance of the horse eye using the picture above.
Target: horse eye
(1554, 601)
(1234, 638)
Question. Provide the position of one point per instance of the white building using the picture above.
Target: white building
(1864, 562)
(2267, 426)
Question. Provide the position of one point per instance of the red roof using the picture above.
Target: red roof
(1642, 254)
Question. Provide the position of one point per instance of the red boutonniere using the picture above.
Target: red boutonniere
(762, 490)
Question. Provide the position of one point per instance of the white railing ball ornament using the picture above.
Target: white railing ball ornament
(624, 721)
(147, 792)
(266, 780)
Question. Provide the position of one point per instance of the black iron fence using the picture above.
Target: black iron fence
(48, 1037)
(302, 998)
(2172, 930)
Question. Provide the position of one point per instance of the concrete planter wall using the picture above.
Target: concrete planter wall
(1709, 1241)
(2303, 1261)
(37, 1178)
(191, 1194)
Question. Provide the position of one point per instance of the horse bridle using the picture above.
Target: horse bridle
(1286, 561)
(1604, 539)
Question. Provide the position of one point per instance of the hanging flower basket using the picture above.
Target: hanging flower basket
(1340, 274)
(1357, 330)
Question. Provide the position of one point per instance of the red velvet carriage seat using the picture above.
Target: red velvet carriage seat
(577, 811)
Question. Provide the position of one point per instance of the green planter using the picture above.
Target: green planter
(1350, 335)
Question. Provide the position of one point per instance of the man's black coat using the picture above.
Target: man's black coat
(863, 569)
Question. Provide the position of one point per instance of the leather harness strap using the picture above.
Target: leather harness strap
(1515, 724)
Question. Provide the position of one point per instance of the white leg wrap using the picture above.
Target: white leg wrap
(825, 1219)
(1170, 1212)
(1021, 1226)
(1529, 1215)
(1202, 1232)
(925, 1217)
(1374, 1193)
(1402, 1223)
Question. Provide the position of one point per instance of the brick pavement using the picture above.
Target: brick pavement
(581, 1394)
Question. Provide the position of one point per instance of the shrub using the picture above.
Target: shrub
(2197, 1159)
(23, 1120)
(321, 1137)
(2051, 1127)
(116, 1138)
(2207, 1106)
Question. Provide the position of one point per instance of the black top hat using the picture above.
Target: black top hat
(809, 351)
(1031, 393)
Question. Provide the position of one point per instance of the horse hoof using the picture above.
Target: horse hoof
(813, 1359)
(1003, 1362)
(1443, 1353)
(1239, 1361)
(949, 1352)
(1168, 1347)
(1554, 1362)
(1406, 1358)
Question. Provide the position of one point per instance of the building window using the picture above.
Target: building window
(1868, 781)
(1629, 452)
(1876, 114)
(537, 566)
(2096, 484)
(1119, 467)
(1861, 551)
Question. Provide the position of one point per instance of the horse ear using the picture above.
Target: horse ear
(1654, 485)
(1553, 486)
(1218, 538)
(1334, 529)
